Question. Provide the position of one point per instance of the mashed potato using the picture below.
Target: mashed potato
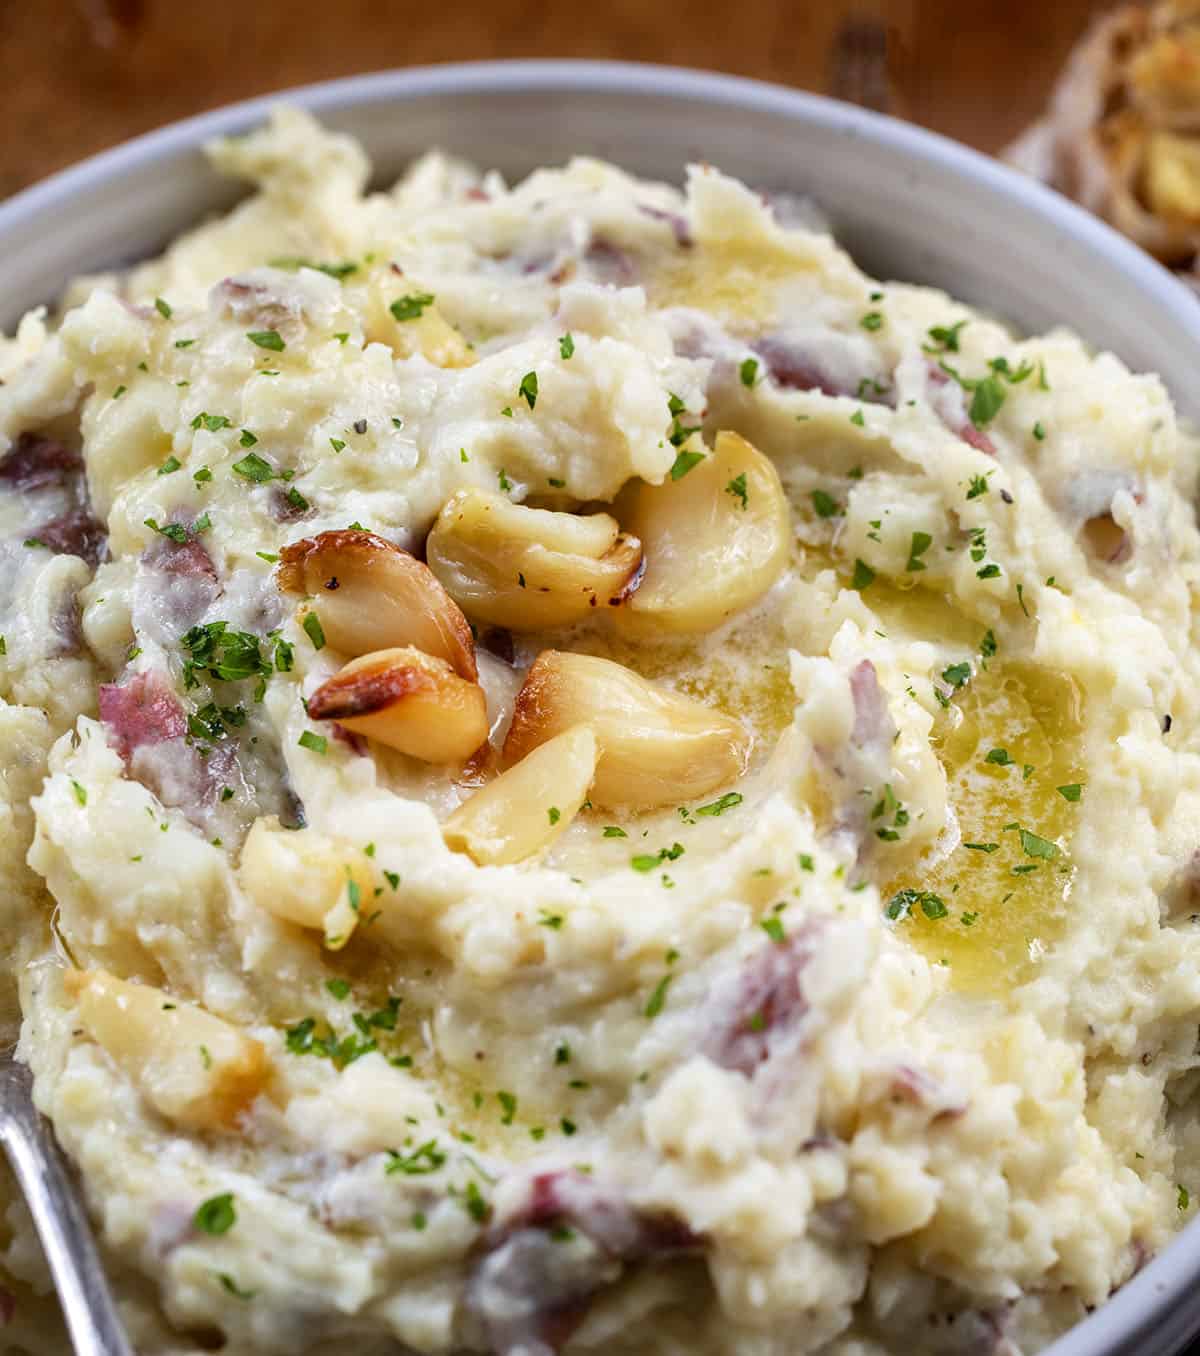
(579, 775)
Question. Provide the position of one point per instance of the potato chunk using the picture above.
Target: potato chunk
(527, 568)
(526, 808)
(370, 595)
(656, 747)
(715, 540)
(192, 1067)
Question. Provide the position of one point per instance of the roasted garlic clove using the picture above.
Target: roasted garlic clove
(193, 1068)
(715, 539)
(410, 701)
(526, 808)
(371, 595)
(306, 877)
(403, 315)
(526, 568)
(656, 747)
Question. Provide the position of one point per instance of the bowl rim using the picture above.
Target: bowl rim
(1134, 1315)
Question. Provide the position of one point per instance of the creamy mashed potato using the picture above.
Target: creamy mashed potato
(580, 775)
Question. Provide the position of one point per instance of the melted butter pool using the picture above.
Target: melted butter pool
(1006, 743)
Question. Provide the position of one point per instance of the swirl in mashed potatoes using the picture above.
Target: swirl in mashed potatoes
(580, 775)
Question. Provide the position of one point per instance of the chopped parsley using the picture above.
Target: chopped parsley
(217, 1214)
(212, 422)
(269, 339)
(426, 1158)
(933, 906)
(528, 389)
(612, 831)
(508, 1104)
(252, 467)
(566, 346)
(1039, 431)
(658, 998)
(337, 444)
(982, 847)
(553, 814)
(921, 542)
(773, 927)
(80, 793)
(944, 338)
(505, 483)
(215, 650)
(175, 532)
(986, 400)
(247, 439)
(317, 743)
(1000, 757)
(863, 577)
(825, 505)
(474, 1203)
(231, 1286)
(748, 372)
(162, 308)
(683, 463)
(411, 306)
(1071, 792)
(977, 487)
(957, 674)
(314, 630)
(873, 320)
(340, 988)
(718, 807)
(857, 419)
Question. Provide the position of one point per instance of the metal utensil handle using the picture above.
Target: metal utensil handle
(63, 1229)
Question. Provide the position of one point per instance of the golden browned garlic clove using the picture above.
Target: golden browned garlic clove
(656, 747)
(193, 1068)
(408, 700)
(526, 568)
(715, 540)
(371, 595)
(305, 877)
(526, 808)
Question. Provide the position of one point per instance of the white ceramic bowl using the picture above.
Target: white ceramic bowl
(908, 204)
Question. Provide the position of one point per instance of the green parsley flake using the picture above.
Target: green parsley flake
(612, 831)
(229, 1285)
(718, 807)
(508, 1104)
(945, 338)
(1071, 792)
(1000, 757)
(825, 505)
(162, 308)
(737, 488)
(217, 1215)
(528, 389)
(411, 306)
(857, 419)
(658, 998)
(977, 487)
(1039, 431)
(773, 927)
(566, 346)
(309, 740)
(1033, 846)
(80, 793)
(873, 320)
(268, 339)
(554, 814)
(683, 463)
(252, 467)
(986, 401)
(337, 444)
(921, 542)
(202, 475)
(957, 674)
(176, 532)
(982, 847)
(171, 464)
(247, 439)
(748, 371)
(505, 483)
(863, 577)
(314, 630)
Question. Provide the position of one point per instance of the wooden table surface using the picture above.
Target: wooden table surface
(82, 75)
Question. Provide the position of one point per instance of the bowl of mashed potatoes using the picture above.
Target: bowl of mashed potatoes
(599, 748)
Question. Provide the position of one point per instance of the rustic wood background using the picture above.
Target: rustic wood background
(81, 75)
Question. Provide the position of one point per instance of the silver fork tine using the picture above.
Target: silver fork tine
(59, 1218)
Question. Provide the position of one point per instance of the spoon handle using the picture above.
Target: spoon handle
(60, 1221)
